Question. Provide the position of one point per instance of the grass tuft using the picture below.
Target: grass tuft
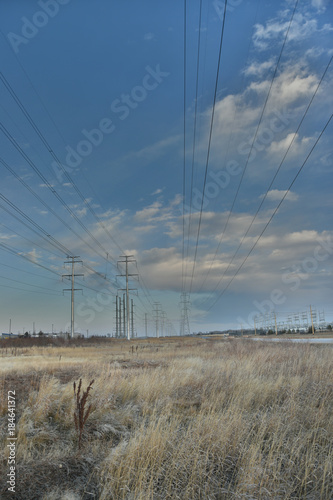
(81, 414)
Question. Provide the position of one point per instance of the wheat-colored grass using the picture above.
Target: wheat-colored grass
(175, 419)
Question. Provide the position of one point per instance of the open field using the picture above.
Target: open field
(171, 419)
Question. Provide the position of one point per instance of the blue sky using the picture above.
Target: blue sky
(102, 84)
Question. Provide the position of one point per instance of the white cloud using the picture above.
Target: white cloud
(302, 27)
(149, 36)
(148, 228)
(259, 68)
(277, 195)
(33, 255)
(157, 191)
(212, 225)
(7, 236)
(294, 83)
(158, 214)
(320, 5)
(315, 52)
(302, 237)
(81, 212)
(298, 147)
(163, 266)
(234, 110)
(109, 213)
(155, 151)
(237, 115)
(152, 212)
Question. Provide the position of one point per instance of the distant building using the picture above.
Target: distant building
(9, 335)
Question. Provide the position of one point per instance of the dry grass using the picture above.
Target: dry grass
(176, 419)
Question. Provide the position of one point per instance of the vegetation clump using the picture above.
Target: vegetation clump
(81, 414)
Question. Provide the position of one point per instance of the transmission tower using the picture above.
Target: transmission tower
(73, 261)
(163, 323)
(132, 319)
(146, 325)
(128, 259)
(321, 319)
(157, 312)
(118, 317)
(184, 319)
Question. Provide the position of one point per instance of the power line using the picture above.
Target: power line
(209, 144)
(194, 135)
(24, 283)
(157, 311)
(253, 141)
(128, 259)
(49, 186)
(193, 147)
(55, 157)
(15, 252)
(144, 287)
(50, 210)
(274, 213)
(73, 260)
(52, 120)
(35, 244)
(276, 173)
(25, 271)
(28, 227)
(30, 291)
(184, 321)
(48, 238)
(184, 150)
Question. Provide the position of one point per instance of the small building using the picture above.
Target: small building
(9, 335)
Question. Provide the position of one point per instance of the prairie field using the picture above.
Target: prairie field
(170, 419)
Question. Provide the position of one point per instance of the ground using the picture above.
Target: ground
(173, 418)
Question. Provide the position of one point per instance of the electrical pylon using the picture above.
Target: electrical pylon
(184, 319)
(73, 261)
(128, 259)
(156, 313)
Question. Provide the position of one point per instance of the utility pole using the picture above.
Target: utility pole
(163, 316)
(117, 328)
(275, 324)
(184, 320)
(124, 316)
(128, 259)
(311, 320)
(255, 328)
(157, 311)
(146, 324)
(132, 318)
(72, 276)
(119, 314)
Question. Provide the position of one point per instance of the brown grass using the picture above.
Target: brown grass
(176, 419)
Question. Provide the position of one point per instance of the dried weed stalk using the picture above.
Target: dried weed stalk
(80, 415)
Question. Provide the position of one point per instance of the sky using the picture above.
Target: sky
(198, 144)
